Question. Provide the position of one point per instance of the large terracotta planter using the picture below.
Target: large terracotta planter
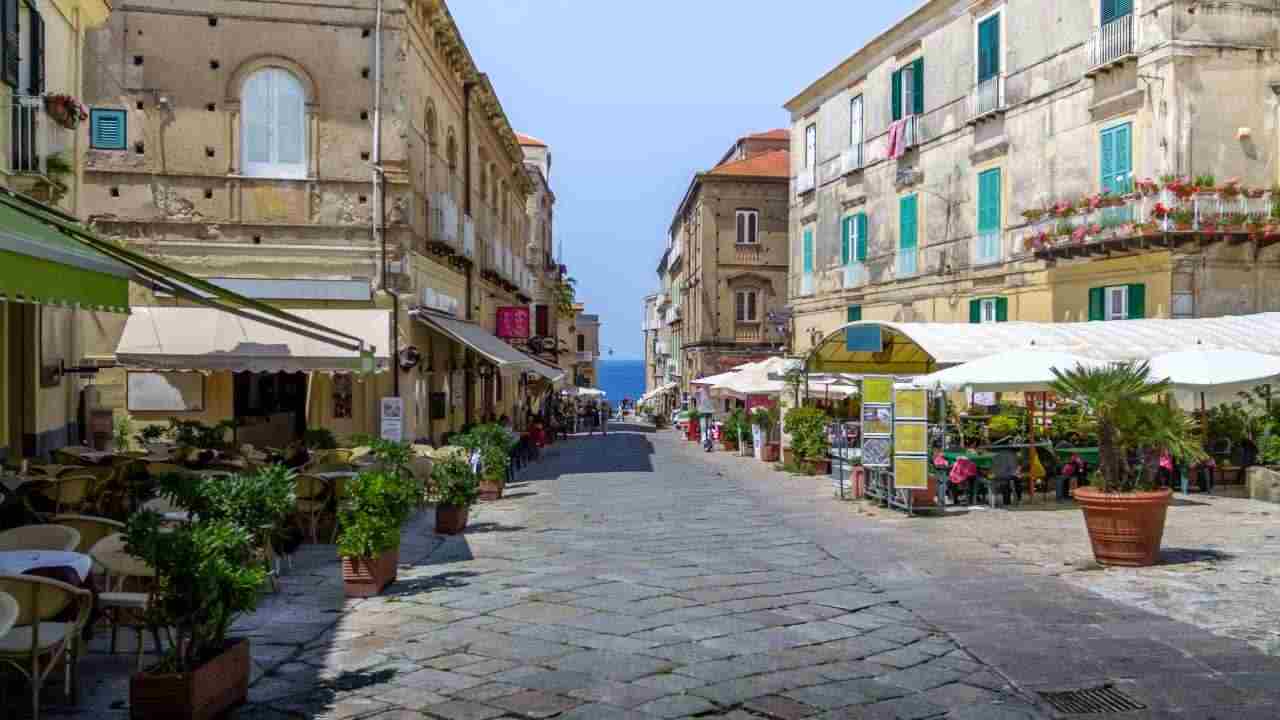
(819, 467)
(769, 453)
(491, 489)
(204, 694)
(366, 577)
(1125, 528)
(451, 519)
(693, 434)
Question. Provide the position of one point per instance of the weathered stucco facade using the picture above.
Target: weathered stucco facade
(728, 259)
(191, 187)
(1009, 106)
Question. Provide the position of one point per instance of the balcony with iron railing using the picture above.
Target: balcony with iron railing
(906, 263)
(806, 180)
(988, 248)
(853, 158)
(35, 146)
(987, 98)
(1112, 44)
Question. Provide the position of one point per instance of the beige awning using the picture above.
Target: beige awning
(199, 338)
(551, 373)
(478, 339)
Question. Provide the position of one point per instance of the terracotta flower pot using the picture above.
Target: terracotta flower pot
(366, 577)
(769, 453)
(1125, 528)
(206, 693)
(819, 467)
(451, 519)
(491, 489)
(694, 434)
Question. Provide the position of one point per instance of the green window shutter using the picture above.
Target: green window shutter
(896, 99)
(1124, 160)
(861, 225)
(9, 63)
(1002, 309)
(1097, 304)
(989, 48)
(108, 129)
(854, 313)
(917, 77)
(844, 239)
(808, 251)
(989, 201)
(908, 228)
(1108, 11)
(36, 61)
(1137, 302)
(1108, 159)
(1123, 7)
(975, 312)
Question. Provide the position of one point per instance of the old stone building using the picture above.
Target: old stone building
(929, 163)
(253, 145)
(726, 265)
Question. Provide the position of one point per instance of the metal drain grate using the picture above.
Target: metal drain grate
(1091, 701)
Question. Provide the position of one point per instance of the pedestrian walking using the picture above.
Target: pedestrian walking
(603, 417)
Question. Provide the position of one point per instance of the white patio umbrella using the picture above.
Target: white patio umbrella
(1203, 368)
(1024, 370)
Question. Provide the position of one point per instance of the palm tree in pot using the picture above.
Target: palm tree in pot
(1125, 513)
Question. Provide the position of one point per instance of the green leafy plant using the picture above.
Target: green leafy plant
(494, 444)
(256, 501)
(1071, 425)
(808, 429)
(1118, 396)
(122, 429)
(1002, 426)
(206, 577)
(453, 483)
(1269, 453)
(151, 434)
(195, 434)
(376, 505)
(1205, 182)
(564, 293)
(319, 439)
(735, 427)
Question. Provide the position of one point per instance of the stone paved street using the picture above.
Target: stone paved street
(636, 577)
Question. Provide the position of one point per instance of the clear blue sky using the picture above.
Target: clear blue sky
(634, 97)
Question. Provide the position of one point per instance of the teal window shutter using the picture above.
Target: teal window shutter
(1115, 9)
(975, 312)
(917, 78)
(808, 251)
(1117, 159)
(860, 252)
(1137, 302)
(1097, 303)
(1108, 159)
(108, 129)
(896, 99)
(989, 201)
(1002, 309)
(989, 48)
(908, 222)
(845, 227)
(854, 313)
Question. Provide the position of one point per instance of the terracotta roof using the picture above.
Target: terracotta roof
(529, 140)
(776, 163)
(779, 134)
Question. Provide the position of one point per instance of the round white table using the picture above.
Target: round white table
(17, 562)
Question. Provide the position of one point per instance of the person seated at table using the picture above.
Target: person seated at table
(964, 471)
(1006, 473)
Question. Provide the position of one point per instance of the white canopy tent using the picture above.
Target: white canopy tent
(1027, 370)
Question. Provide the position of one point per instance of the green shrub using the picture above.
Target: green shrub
(1002, 426)
(808, 429)
(735, 427)
(494, 444)
(319, 439)
(195, 434)
(1269, 453)
(376, 505)
(453, 483)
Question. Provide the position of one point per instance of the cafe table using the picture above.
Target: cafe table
(19, 562)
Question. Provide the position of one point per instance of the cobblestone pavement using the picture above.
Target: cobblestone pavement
(636, 577)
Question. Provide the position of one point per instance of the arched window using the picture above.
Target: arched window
(451, 152)
(273, 125)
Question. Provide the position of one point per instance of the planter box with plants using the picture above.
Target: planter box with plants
(494, 443)
(377, 504)
(209, 571)
(453, 489)
(809, 444)
(1125, 509)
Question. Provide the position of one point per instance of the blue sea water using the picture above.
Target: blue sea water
(621, 379)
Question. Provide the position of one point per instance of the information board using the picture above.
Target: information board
(877, 421)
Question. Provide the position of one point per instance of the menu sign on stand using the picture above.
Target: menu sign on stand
(911, 445)
(877, 433)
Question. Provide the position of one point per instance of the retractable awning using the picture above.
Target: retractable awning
(478, 339)
(550, 373)
(186, 338)
(39, 264)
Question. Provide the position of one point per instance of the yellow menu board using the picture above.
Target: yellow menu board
(911, 404)
(877, 390)
(911, 472)
(911, 438)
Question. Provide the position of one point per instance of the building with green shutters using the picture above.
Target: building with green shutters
(923, 164)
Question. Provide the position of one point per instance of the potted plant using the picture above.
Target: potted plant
(1125, 512)
(376, 504)
(765, 420)
(493, 443)
(1182, 219)
(454, 489)
(808, 429)
(694, 433)
(736, 430)
(208, 573)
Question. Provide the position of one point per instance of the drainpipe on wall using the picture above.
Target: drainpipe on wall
(379, 220)
(469, 382)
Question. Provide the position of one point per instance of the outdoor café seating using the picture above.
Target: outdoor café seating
(40, 537)
(39, 641)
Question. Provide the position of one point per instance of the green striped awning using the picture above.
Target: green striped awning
(40, 264)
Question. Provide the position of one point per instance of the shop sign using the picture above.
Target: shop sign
(392, 419)
(513, 322)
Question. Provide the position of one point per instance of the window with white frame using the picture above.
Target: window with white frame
(810, 146)
(1117, 302)
(748, 227)
(856, 129)
(746, 306)
(988, 308)
(273, 112)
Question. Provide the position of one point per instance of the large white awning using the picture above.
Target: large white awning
(199, 338)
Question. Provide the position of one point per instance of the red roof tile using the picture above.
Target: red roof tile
(776, 163)
(529, 140)
(779, 134)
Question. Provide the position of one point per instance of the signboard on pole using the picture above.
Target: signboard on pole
(513, 323)
(392, 414)
(911, 439)
(877, 421)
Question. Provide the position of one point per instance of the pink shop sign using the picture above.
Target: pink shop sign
(513, 322)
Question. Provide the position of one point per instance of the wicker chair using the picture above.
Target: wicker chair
(71, 492)
(40, 537)
(115, 601)
(313, 495)
(91, 529)
(37, 643)
(8, 612)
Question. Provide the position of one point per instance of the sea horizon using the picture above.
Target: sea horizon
(621, 378)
